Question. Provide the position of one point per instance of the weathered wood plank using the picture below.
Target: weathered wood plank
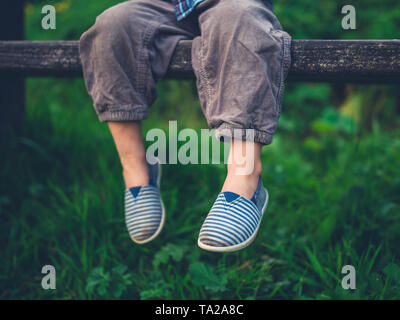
(312, 60)
(40, 58)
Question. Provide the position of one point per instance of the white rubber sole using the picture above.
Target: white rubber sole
(241, 245)
(160, 227)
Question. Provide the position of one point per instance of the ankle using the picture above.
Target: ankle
(135, 178)
(250, 172)
(242, 184)
(135, 173)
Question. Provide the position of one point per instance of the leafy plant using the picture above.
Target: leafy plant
(104, 283)
(205, 275)
(169, 251)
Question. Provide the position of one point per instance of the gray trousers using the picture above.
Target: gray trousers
(240, 56)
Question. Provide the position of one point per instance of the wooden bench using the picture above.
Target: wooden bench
(372, 61)
(360, 61)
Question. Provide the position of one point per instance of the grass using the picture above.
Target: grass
(61, 203)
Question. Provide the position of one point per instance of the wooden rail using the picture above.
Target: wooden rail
(376, 61)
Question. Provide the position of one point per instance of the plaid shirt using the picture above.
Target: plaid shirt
(184, 7)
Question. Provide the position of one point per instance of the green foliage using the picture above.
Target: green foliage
(309, 19)
(205, 275)
(105, 284)
(170, 250)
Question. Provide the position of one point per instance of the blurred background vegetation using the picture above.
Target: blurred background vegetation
(332, 173)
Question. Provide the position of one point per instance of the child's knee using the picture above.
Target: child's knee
(124, 18)
(249, 22)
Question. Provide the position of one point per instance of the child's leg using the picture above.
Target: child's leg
(242, 176)
(129, 142)
(240, 83)
(240, 61)
(123, 55)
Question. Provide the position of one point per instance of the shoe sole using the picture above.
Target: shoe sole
(160, 227)
(241, 245)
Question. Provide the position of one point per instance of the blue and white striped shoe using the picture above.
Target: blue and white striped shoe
(233, 221)
(144, 209)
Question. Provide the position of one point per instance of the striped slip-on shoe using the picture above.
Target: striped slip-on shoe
(233, 221)
(144, 209)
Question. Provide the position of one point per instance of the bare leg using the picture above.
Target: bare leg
(129, 142)
(243, 184)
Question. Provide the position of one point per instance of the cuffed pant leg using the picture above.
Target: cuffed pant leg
(240, 60)
(126, 52)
